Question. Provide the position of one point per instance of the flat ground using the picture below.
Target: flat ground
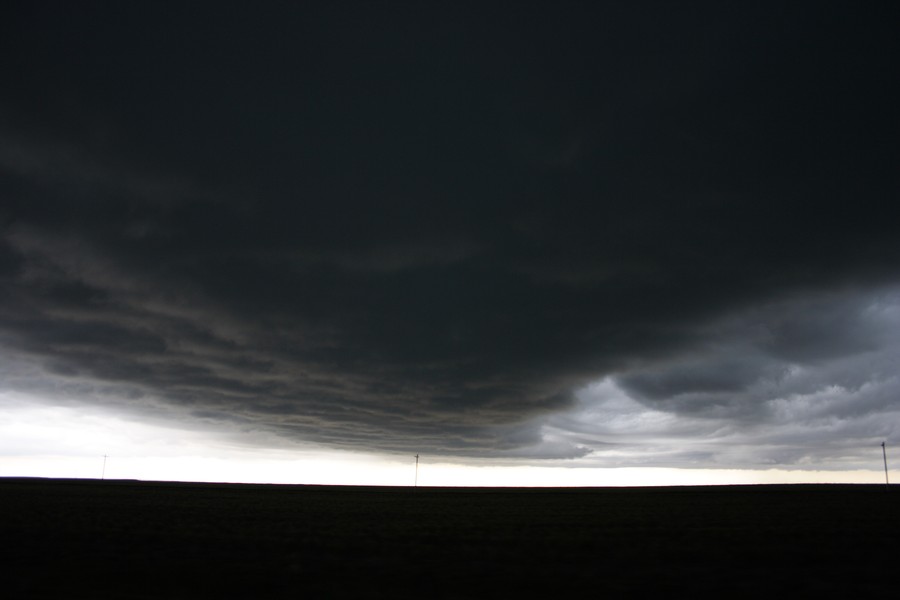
(126, 539)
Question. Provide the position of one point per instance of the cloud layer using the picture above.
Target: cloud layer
(418, 230)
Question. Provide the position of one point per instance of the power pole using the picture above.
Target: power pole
(887, 485)
(416, 484)
(103, 474)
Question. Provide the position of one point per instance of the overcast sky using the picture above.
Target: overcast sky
(614, 234)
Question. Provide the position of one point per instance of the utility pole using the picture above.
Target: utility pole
(887, 485)
(416, 484)
(103, 475)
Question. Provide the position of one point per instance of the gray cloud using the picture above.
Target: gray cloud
(303, 223)
(738, 402)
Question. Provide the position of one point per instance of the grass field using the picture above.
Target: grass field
(126, 539)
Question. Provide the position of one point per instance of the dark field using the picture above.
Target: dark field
(120, 539)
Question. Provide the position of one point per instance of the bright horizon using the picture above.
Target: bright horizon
(60, 442)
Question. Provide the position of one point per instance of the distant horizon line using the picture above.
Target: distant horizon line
(10, 478)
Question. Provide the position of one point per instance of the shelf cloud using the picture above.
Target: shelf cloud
(657, 235)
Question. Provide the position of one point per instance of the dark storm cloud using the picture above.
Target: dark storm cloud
(395, 227)
(755, 354)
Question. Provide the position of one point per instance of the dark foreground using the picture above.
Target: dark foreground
(117, 539)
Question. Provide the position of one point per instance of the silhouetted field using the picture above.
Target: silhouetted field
(125, 539)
